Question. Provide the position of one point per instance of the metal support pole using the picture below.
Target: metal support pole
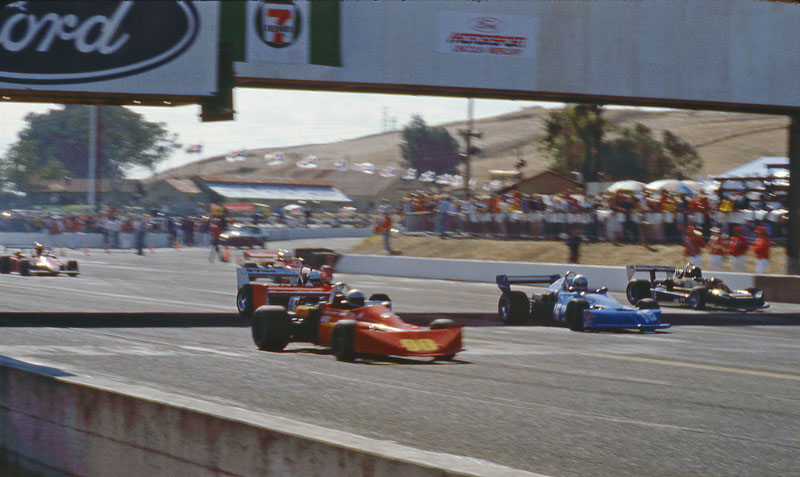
(793, 239)
(92, 199)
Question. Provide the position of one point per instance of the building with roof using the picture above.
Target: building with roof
(275, 192)
(545, 182)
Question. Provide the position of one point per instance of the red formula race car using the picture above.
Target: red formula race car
(37, 261)
(351, 327)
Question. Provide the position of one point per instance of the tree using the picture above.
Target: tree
(55, 145)
(429, 148)
(574, 138)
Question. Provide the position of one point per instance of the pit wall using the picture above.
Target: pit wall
(54, 423)
(779, 288)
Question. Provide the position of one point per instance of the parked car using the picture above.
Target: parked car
(244, 235)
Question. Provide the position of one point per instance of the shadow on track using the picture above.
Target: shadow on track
(731, 319)
(675, 319)
(123, 320)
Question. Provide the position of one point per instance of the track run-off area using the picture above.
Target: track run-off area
(717, 394)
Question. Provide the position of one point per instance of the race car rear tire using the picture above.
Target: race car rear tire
(513, 308)
(442, 323)
(271, 328)
(697, 298)
(244, 301)
(636, 290)
(574, 314)
(5, 264)
(647, 304)
(343, 340)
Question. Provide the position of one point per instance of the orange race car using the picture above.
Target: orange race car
(38, 262)
(352, 326)
(289, 283)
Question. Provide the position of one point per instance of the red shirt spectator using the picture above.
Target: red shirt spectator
(738, 245)
(762, 244)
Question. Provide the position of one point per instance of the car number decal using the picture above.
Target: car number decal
(425, 344)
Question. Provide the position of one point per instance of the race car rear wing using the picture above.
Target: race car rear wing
(631, 269)
(504, 281)
(245, 275)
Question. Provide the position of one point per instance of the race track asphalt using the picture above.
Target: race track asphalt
(717, 394)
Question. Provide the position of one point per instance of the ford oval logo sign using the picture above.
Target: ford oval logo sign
(84, 41)
(487, 25)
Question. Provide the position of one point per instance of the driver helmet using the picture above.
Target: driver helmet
(694, 272)
(355, 298)
(314, 277)
(580, 282)
(39, 248)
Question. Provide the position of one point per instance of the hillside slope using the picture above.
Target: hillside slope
(723, 140)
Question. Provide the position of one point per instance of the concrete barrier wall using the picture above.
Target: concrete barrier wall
(780, 288)
(159, 240)
(61, 423)
(615, 278)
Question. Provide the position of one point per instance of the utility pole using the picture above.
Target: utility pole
(468, 134)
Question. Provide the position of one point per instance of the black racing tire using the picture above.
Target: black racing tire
(24, 267)
(72, 268)
(542, 307)
(513, 308)
(636, 290)
(760, 302)
(244, 300)
(271, 328)
(697, 298)
(442, 323)
(379, 297)
(5, 264)
(647, 304)
(343, 339)
(574, 314)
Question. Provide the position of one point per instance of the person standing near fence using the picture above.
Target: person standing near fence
(761, 248)
(737, 248)
(718, 248)
(693, 246)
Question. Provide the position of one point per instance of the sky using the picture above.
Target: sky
(268, 118)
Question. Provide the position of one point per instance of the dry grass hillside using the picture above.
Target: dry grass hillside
(723, 140)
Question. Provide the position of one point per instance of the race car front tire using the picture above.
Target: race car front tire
(636, 290)
(513, 308)
(697, 298)
(647, 304)
(442, 323)
(271, 328)
(343, 340)
(24, 267)
(574, 314)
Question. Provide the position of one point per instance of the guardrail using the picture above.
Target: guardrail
(54, 423)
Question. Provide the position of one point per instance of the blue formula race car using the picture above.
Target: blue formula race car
(569, 300)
